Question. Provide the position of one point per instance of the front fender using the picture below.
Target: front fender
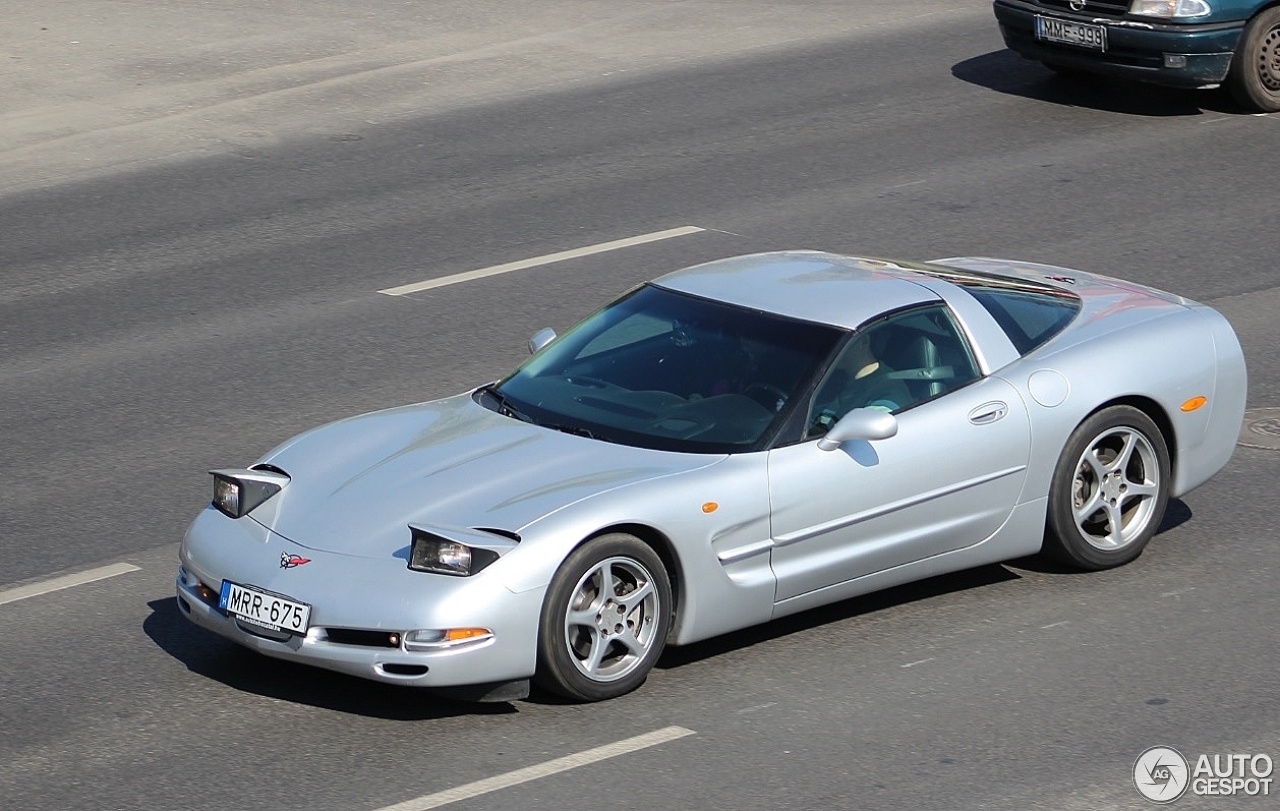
(719, 588)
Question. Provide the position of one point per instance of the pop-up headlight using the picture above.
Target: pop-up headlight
(238, 492)
(433, 553)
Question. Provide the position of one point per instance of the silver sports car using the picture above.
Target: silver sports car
(723, 446)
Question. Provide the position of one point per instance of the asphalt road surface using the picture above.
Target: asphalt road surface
(200, 203)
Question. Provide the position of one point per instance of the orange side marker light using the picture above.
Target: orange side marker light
(710, 507)
(459, 634)
(1194, 403)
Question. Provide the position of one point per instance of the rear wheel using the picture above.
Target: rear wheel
(605, 619)
(1254, 78)
(1109, 490)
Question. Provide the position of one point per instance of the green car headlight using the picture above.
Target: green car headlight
(1170, 9)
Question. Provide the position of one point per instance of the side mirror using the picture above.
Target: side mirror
(860, 423)
(540, 339)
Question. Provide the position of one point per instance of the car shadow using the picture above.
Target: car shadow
(213, 657)
(836, 612)
(1176, 514)
(1006, 72)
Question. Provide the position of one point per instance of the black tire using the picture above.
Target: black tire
(1109, 490)
(1254, 77)
(605, 619)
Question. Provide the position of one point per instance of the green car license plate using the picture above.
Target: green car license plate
(1083, 35)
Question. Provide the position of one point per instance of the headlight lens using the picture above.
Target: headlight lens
(226, 495)
(1170, 9)
(237, 492)
(431, 553)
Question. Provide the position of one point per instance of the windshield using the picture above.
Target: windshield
(665, 370)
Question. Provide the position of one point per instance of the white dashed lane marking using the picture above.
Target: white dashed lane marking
(563, 764)
(65, 582)
(538, 261)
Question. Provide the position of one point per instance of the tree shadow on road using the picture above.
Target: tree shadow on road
(212, 657)
(1005, 72)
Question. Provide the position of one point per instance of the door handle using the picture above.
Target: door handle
(988, 413)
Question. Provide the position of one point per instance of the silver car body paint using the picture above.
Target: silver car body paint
(964, 481)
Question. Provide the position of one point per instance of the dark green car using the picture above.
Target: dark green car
(1179, 43)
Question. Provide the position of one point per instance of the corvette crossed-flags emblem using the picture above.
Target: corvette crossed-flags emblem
(288, 561)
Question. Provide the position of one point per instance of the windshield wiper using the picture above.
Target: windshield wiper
(577, 430)
(505, 408)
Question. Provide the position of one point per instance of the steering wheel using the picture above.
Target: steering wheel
(767, 395)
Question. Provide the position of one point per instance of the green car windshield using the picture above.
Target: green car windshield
(669, 371)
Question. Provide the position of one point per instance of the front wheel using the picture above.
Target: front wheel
(1109, 490)
(605, 619)
(1254, 78)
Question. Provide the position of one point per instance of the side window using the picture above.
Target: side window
(1028, 317)
(893, 364)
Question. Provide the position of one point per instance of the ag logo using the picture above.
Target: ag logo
(1161, 774)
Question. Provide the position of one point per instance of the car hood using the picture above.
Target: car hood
(356, 485)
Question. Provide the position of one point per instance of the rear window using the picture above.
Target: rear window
(1029, 318)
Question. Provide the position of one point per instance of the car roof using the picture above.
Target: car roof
(844, 291)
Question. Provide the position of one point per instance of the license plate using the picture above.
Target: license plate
(264, 609)
(1083, 35)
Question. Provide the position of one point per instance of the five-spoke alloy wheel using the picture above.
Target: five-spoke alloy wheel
(1109, 490)
(605, 619)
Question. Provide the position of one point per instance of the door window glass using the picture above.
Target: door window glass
(893, 364)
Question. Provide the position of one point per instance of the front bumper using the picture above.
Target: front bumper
(486, 663)
(362, 609)
(1134, 50)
